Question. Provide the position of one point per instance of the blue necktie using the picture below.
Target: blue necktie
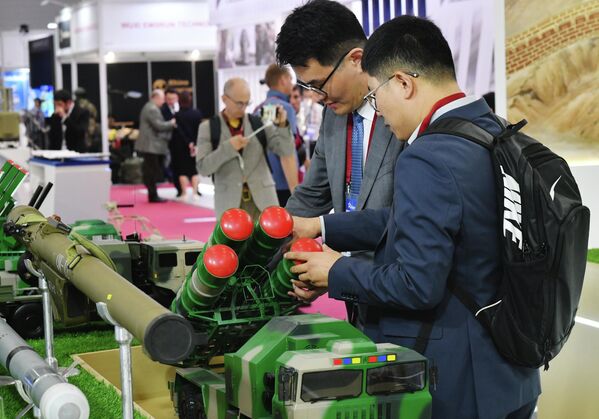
(357, 154)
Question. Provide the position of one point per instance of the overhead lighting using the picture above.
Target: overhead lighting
(55, 2)
(195, 55)
(110, 57)
(52, 25)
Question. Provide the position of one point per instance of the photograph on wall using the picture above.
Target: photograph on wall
(266, 35)
(552, 60)
(237, 47)
(64, 34)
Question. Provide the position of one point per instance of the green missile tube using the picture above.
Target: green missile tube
(272, 228)
(202, 288)
(166, 337)
(233, 229)
(280, 280)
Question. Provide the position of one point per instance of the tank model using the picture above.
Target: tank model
(308, 366)
(73, 264)
(42, 384)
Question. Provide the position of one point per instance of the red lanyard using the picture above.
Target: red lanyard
(448, 99)
(348, 156)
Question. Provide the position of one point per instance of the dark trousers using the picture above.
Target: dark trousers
(283, 195)
(152, 168)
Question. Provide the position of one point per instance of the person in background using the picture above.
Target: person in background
(183, 146)
(284, 169)
(93, 141)
(300, 147)
(169, 109)
(69, 124)
(312, 111)
(35, 124)
(236, 159)
(152, 143)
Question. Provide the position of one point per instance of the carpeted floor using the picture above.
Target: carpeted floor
(194, 220)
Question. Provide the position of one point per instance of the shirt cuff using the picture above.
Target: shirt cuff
(322, 230)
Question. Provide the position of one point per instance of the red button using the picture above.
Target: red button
(236, 224)
(276, 222)
(305, 245)
(220, 261)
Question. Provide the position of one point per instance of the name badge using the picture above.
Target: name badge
(351, 203)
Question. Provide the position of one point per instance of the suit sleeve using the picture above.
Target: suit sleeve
(357, 230)
(279, 140)
(313, 196)
(158, 123)
(427, 217)
(208, 161)
(77, 124)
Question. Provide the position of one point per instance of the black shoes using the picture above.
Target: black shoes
(157, 200)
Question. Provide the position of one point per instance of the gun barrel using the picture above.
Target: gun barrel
(47, 389)
(167, 337)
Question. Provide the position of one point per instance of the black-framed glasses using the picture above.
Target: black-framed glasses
(371, 96)
(319, 90)
(239, 103)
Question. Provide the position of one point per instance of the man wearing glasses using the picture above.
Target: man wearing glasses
(352, 165)
(237, 159)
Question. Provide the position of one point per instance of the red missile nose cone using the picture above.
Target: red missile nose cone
(236, 224)
(305, 245)
(220, 261)
(276, 222)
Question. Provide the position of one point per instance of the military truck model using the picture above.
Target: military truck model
(308, 366)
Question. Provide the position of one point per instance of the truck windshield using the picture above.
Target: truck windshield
(396, 378)
(331, 385)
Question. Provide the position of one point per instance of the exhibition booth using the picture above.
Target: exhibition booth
(167, 311)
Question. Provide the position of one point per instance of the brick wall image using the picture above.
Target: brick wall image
(552, 34)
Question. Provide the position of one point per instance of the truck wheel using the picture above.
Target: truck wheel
(28, 321)
(24, 273)
(191, 405)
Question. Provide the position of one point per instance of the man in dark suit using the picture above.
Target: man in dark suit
(69, 124)
(168, 110)
(352, 165)
(443, 224)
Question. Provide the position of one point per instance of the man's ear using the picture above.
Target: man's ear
(355, 55)
(406, 84)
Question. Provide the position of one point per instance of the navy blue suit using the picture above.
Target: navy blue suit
(443, 222)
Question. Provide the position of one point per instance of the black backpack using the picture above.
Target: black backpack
(545, 230)
(255, 122)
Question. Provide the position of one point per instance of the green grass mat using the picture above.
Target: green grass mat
(593, 255)
(104, 401)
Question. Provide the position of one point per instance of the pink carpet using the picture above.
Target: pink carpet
(169, 220)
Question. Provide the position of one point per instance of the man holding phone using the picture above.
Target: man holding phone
(284, 169)
(228, 150)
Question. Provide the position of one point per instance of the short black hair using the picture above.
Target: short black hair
(171, 90)
(63, 96)
(320, 29)
(411, 44)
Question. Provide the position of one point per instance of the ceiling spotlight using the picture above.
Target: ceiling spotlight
(55, 2)
(52, 25)
(195, 54)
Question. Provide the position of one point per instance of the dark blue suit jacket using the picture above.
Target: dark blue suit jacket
(443, 222)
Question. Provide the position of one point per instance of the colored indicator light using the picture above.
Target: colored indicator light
(337, 361)
(391, 357)
(346, 361)
(382, 358)
(372, 359)
(355, 360)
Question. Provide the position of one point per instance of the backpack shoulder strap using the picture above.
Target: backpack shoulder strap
(462, 128)
(214, 131)
(256, 123)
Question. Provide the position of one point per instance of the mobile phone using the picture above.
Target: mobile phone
(269, 113)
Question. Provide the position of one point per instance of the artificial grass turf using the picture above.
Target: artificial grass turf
(104, 401)
(593, 255)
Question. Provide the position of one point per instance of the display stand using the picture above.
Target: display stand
(123, 338)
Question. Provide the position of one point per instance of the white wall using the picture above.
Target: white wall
(587, 177)
(14, 48)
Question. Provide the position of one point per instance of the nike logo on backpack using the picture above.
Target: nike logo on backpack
(552, 190)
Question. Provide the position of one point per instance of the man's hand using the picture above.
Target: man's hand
(306, 227)
(192, 149)
(281, 119)
(238, 142)
(305, 292)
(59, 110)
(173, 122)
(315, 270)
